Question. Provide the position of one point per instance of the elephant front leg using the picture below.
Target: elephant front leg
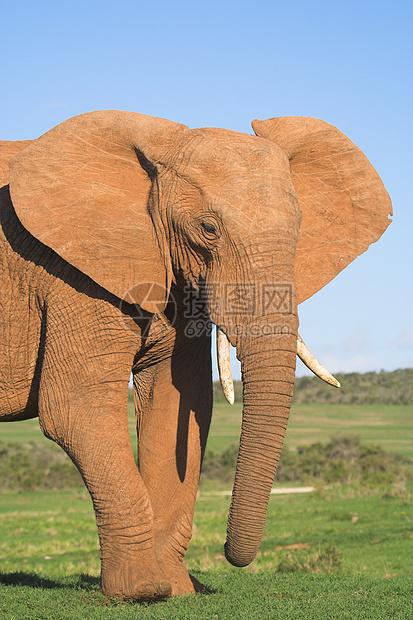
(92, 429)
(174, 404)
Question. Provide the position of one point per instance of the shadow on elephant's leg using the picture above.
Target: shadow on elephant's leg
(31, 580)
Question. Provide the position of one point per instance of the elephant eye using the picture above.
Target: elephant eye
(209, 227)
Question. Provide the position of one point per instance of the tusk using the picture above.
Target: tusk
(313, 364)
(224, 366)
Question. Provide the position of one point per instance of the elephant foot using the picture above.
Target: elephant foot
(182, 582)
(128, 583)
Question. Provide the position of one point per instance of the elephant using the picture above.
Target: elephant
(121, 234)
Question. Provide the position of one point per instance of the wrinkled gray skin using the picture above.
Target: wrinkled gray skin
(225, 211)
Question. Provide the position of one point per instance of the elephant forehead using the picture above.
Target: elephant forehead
(244, 174)
(226, 157)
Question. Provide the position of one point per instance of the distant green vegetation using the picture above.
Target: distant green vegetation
(370, 388)
(390, 426)
(29, 461)
(36, 465)
(390, 388)
(342, 460)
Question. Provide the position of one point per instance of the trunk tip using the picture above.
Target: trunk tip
(240, 560)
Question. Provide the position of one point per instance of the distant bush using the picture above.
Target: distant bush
(220, 467)
(370, 388)
(343, 460)
(35, 466)
(219, 395)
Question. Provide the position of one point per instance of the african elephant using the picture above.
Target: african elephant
(113, 224)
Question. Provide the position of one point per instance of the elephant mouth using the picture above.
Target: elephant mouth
(224, 365)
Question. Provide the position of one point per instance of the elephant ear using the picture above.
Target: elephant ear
(344, 203)
(88, 190)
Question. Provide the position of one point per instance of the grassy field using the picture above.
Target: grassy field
(332, 554)
(390, 426)
(323, 556)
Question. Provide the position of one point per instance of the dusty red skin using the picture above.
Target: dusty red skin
(110, 201)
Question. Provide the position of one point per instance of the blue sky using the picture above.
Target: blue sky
(224, 63)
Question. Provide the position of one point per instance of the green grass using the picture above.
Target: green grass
(257, 597)
(54, 533)
(323, 556)
(333, 554)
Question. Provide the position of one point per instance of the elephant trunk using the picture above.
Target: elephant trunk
(268, 367)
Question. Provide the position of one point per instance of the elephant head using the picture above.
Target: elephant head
(260, 222)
